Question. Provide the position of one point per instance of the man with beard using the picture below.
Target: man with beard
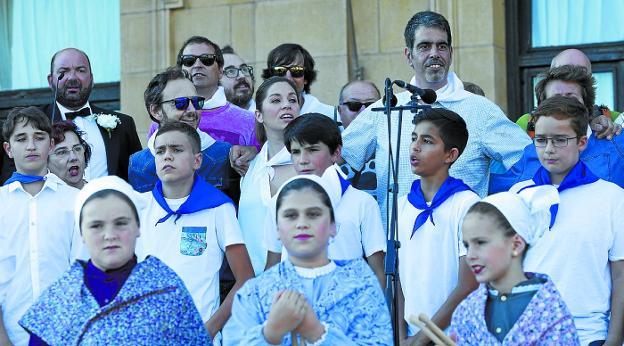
(171, 96)
(222, 120)
(111, 135)
(237, 80)
(429, 53)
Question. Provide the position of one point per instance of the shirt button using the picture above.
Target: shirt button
(498, 330)
(503, 298)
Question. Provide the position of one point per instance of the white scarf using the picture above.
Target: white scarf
(266, 171)
(453, 90)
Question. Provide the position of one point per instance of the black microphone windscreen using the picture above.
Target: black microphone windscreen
(393, 101)
(61, 76)
(429, 96)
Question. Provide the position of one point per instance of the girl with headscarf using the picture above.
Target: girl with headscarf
(111, 299)
(309, 298)
(511, 307)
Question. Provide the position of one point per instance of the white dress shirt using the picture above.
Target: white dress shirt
(43, 241)
(98, 166)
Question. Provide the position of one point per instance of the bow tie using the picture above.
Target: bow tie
(85, 112)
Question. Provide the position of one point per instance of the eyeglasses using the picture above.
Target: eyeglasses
(62, 153)
(232, 72)
(295, 71)
(182, 103)
(558, 142)
(206, 59)
(355, 106)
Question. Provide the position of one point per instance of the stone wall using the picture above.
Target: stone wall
(152, 32)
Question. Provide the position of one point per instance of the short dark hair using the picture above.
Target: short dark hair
(561, 108)
(300, 184)
(200, 40)
(27, 115)
(185, 129)
(153, 92)
(262, 94)
(287, 53)
(341, 96)
(569, 73)
(450, 125)
(104, 194)
(227, 49)
(64, 49)
(312, 128)
(427, 19)
(58, 134)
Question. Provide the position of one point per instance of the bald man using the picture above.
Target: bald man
(602, 121)
(354, 97)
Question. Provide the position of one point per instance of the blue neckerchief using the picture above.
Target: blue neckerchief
(578, 175)
(344, 183)
(23, 178)
(416, 198)
(104, 286)
(203, 196)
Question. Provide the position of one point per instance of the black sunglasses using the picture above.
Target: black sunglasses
(206, 59)
(295, 71)
(182, 103)
(356, 106)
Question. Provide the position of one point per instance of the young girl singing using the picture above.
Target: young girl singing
(308, 296)
(511, 307)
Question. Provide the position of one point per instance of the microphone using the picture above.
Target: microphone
(426, 95)
(388, 91)
(55, 95)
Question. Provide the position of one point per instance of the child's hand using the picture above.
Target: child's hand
(287, 312)
(310, 327)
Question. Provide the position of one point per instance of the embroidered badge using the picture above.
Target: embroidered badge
(193, 241)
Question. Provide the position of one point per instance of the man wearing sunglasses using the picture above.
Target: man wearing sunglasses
(70, 73)
(238, 80)
(294, 62)
(171, 96)
(354, 97)
(202, 59)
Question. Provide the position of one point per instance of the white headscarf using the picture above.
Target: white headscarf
(528, 211)
(334, 196)
(110, 182)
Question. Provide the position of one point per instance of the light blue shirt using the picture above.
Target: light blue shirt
(492, 136)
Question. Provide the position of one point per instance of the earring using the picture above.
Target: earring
(514, 253)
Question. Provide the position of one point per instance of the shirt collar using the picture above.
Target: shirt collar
(217, 100)
(51, 181)
(65, 110)
(313, 273)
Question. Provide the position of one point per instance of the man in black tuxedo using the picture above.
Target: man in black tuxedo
(112, 142)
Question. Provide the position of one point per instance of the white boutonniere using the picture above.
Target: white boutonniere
(107, 121)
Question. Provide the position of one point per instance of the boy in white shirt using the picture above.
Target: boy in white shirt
(37, 219)
(583, 253)
(433, 275)
(189, 224)
(314, 143)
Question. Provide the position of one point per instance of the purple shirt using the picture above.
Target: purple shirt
(227, 123)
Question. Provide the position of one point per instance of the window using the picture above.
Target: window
(31, 31)
(539, 29)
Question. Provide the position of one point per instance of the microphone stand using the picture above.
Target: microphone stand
(393, 245)
(56, 95)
